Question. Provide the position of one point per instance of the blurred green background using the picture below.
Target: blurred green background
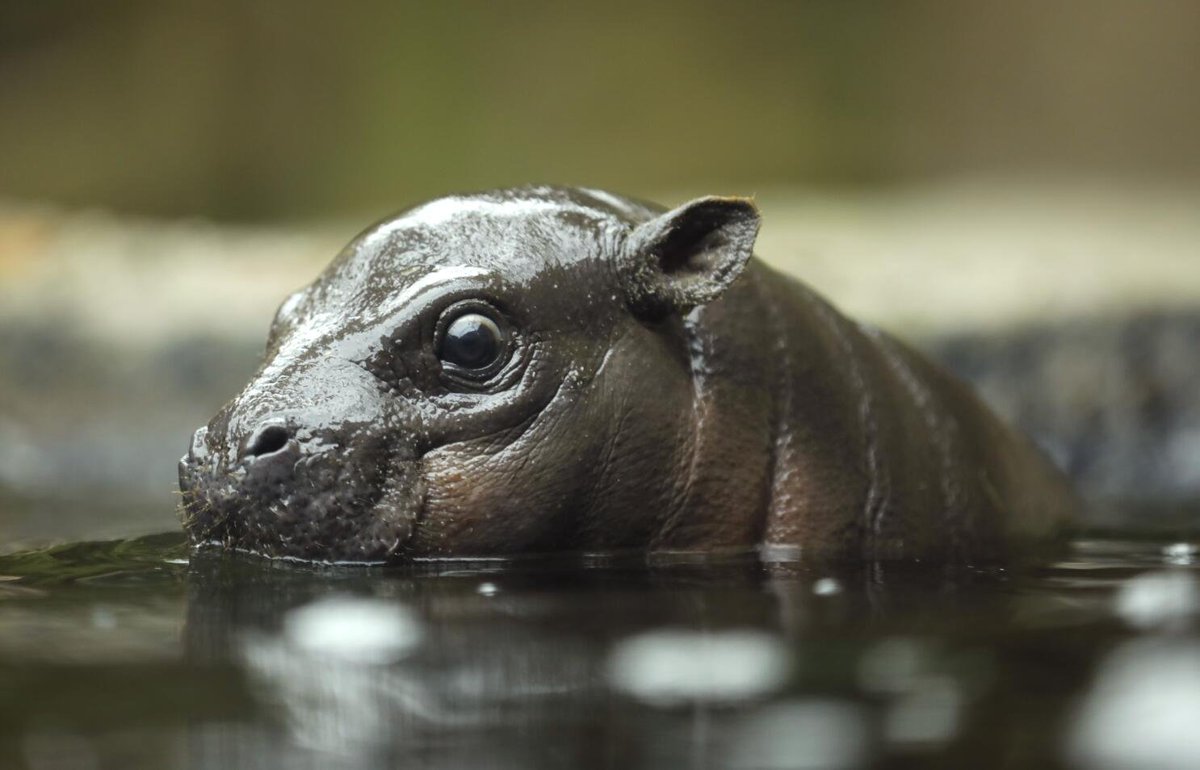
(294, 110)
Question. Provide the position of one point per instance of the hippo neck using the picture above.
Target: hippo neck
(736, 381)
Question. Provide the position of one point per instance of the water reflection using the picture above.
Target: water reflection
(329, 670)
(229, 662)
(671, 667)
(537, 664)
(813, 734)
(1163, 599)
(1143, 709)
(1181, 554)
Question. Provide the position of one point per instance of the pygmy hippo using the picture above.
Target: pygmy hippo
(547, 369)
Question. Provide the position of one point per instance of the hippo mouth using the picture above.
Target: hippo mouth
(327, 503)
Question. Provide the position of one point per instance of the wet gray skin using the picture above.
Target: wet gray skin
(549, 369)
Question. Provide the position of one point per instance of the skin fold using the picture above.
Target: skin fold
(645, 384)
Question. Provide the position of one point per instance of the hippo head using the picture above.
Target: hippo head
(491, 374)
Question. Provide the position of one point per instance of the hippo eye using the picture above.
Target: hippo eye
(472, 342)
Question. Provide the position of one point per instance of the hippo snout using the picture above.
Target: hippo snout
(283, 488)
(258, 464)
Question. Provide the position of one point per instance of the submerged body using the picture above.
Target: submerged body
(550, 369)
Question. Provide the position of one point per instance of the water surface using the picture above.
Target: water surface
(140, 653)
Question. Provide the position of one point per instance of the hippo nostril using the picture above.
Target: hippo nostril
(267, 440)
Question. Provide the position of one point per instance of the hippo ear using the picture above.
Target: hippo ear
(688, 256)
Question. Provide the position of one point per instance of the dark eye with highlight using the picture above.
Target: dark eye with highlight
(473, 341)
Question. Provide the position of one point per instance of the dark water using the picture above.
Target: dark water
(138, 653)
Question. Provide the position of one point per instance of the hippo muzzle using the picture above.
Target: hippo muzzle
(327, 484)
